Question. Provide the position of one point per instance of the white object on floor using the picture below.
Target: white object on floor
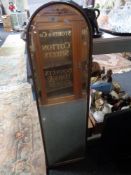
(99, 116)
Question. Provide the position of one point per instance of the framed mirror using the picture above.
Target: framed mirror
(59, 47)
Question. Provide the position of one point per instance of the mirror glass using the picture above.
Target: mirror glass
(59, 47)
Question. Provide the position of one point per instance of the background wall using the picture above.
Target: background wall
(34, 4)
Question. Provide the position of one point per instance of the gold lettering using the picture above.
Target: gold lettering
(59, 78)
(68, 45)
(44, 47)
(53, 47)
(43, 35)
(62, 53)
(55, 34)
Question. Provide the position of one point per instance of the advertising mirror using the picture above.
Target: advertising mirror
(59, 47)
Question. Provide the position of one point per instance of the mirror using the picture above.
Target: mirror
(59, 47)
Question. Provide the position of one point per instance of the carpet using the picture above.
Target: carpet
(12, 61)
(116, 62)
(21, 147)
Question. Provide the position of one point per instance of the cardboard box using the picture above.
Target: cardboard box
(8, 29)
(6, 19)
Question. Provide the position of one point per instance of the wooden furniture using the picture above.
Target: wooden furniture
(7, 24)
(111, 44)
